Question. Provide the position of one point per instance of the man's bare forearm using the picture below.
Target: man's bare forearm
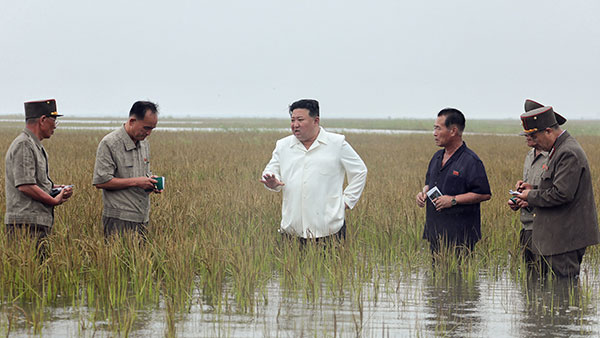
(471, 198)
(35, 192)
(117, 184)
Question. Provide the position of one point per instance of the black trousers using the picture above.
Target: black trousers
(529, 256)
(459, 248)
(338, 236)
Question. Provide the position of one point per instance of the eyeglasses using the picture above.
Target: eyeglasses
(536, 134)
(56, 122)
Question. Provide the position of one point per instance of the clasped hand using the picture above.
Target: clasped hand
(442, 202)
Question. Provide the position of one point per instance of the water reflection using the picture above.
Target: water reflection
(555, 309)
(420, 304)
(452, 305)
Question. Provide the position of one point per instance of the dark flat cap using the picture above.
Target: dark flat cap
(34, 109)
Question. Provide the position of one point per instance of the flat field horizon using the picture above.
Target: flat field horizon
(492, 126)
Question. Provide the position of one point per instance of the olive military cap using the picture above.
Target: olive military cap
(539, 119)
(35, 109)
(531, 122)
(531, 105)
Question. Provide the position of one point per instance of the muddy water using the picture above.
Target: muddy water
(421, 305)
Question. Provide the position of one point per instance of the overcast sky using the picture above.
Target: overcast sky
(253, 58)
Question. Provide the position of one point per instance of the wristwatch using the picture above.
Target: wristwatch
(453, 202)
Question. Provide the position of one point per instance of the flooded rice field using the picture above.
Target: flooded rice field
(215, 266)
(419, 305)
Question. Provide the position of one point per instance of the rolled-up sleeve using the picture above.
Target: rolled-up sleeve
(24, 164)
(356, 172)
(104, 168)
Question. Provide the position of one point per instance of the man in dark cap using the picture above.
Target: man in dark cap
(453, 219)
(533, 167)
(565, 221)
(30, 193)
(122, 171)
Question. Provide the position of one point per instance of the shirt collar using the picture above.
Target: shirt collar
(129, 144)
(453, 157)
(321, 138)
(559, 140)
(540, 154)
(36, 140)
(460, 149)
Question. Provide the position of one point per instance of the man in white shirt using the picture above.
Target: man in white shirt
(309, 167)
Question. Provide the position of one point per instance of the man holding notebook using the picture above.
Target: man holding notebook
(122, 171)
(30, 193)
(455, 185)
(565, 221)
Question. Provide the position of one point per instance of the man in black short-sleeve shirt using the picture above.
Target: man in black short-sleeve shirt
(453, 219)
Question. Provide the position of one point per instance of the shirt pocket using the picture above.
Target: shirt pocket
(455, 185)
(127, 168)
(546, 179)
(130, 168)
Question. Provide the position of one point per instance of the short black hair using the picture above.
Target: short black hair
(310, 104)
(140, 108)
(453, 117)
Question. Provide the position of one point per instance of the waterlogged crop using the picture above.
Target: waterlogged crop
(213, 236)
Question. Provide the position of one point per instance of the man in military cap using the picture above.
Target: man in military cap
(533, 167)
(565, 221)
(30, 193)
(122, 171)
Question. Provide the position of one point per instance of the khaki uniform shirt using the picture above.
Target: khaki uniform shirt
(532, 173)
(119, 156)
(27, 163)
